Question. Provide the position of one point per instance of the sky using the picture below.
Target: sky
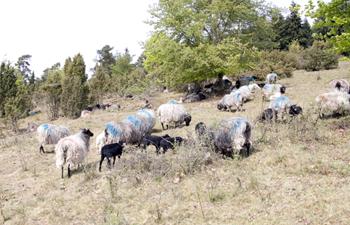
(53, 30)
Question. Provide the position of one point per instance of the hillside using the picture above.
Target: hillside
(299, 172)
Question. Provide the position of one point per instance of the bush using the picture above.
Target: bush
(276, 61)
(319, 57)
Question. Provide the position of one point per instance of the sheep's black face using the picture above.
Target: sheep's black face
(87, 132)
(295, 110)
(166, 136)
(188, 120)
(283, 89)
(338, 85)
(269, 114)
(200, 129)
(221, 107)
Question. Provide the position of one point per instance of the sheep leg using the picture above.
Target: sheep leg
(109, 163)
(162, 126)
(101, 161)
(62, 172)
(114, 160)
(69, 172)
(41, 149)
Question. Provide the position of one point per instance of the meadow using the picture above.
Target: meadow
(299, 172)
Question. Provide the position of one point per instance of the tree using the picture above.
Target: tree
(333, 19)
(121, 70)
(17, 106)
(192, 22)
(74, 87)
(23, 65)
(106, 59)
(99, 84)
(8, 86)
(53, 91)
(305, 38)
(196, 40)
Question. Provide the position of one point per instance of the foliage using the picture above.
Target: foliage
(292, 29)
(17, 106)
(106, 59)
(276, 61)
(74, 87)
(174, 63)
(23, 66)
(53, 91)
(8, 86)
(319, 57)
(333, 23)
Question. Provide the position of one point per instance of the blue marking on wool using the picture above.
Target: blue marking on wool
(279, 101)
(236, 124)
(268, 87)
(112, 130)
(135, 121)
(149, 117)
(172, 101)
(45, 126)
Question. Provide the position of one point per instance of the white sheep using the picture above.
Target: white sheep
(334, 102)
(340, 85)
(271, 90)
(234, 99)
(50, 134)
(231, 135)
(246, 91)
(271, 78)
(281, 105)
(173, 113)
(72, 150)
(101, 140)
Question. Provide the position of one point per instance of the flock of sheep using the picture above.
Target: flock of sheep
(231, 136)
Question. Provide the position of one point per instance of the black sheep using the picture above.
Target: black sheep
(111, 150)
(168, 143)
(153, 140)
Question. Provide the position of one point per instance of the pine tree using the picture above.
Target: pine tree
(53, 92)
(305, 38)
(8, 86)
(17, 106)
(74, 87)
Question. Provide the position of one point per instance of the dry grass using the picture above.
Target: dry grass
(298, 174)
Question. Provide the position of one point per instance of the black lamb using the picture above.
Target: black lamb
(111, 150)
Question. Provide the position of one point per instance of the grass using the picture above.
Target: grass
(299, 172)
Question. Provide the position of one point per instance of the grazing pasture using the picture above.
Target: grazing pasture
(298, 173)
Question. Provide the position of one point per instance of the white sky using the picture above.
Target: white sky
(52, 30)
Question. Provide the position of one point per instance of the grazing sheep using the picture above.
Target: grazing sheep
(340, 85)
(73, 149)
(101, 140)
(234, 99)
(335, 102)
(169, 143)
(111, 150)
(121, 131)
(231, 136)
(283, 105)
(132, 128)
(268, 115)
(278, 93)
(173, 113)
(153, 140)
(50, 134)
(271, 78)
(247, 91)
(270, 89)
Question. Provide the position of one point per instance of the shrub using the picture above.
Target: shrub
(319, 56)
(276, 61)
